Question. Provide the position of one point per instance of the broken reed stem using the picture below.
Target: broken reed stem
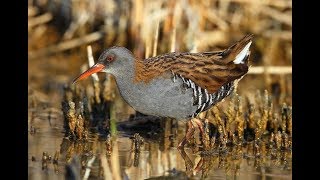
(66, 45)
(88, 168)
(115, 166)
(276, 3)
(176, 18)
(155, 43)
(213, 17)
(148, 47)
(173, 40)
(91, 63)
(32, 11)
(105, 166)
(41, 19)
(284, 35)
(220, 126)
(94, 76)
(285, 18)
(240, 120)
(270, 70)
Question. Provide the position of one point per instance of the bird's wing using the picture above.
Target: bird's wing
(209, 70)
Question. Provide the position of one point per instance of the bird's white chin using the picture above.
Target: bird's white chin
(110, 71)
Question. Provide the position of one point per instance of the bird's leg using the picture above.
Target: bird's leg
(187, 160)
(190, 168)
(200, 125)
(199, 166)
(189, 134)
(204, 135)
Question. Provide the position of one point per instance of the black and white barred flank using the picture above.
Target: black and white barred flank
(201, 98)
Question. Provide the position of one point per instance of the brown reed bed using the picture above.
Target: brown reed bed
(147, 28)
(254, 125)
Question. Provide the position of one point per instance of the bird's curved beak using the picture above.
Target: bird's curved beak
(95, 68)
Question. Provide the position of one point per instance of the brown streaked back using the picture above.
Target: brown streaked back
(209, 70)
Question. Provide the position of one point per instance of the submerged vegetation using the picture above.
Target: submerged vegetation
(256, 129)
(250, 132)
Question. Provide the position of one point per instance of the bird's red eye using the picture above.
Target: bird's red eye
(110, 58)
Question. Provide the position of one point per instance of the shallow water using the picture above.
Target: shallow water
(158, 157)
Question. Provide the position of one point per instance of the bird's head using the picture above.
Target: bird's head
(113, 60)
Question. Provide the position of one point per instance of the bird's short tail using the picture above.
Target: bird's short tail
(238, 52)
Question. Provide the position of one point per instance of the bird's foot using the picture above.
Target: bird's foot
(190, 133)
(188, 136)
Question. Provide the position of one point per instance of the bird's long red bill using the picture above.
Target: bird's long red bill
(94, 69)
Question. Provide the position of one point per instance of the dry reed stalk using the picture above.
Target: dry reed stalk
(138, 12)
(152, 15)
(56, 157)
(80, 127)
(230, 118)
(66, 45)
(88, 168)
(289, 123)
(283, 35)
(91, 63)
(207, 39)
(268, 105)
(236, 20)
(286, 120)
(148, 43)
(193, 29)
(71, 118)
(274, 122)
(173, 40)
(223, 9)
(285, 141)
(175, 22)
(115, 166)
(123, 24)
(105, 166)
(41, 19)
(285, 18)
(240, 120)
(32, 11)
(38, 32)
(251, 116)
(275, 3)
(94, 76)
(156, 36)
(212, 16)
(168, 21)
(221, 127)
(278, 140)
(270, 70)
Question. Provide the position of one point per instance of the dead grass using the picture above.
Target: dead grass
(262, 119)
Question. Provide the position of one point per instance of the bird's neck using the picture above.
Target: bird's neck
(125, 77)
(125, 74)
(130, 89)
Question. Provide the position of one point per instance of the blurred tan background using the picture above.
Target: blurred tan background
(60, 30)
